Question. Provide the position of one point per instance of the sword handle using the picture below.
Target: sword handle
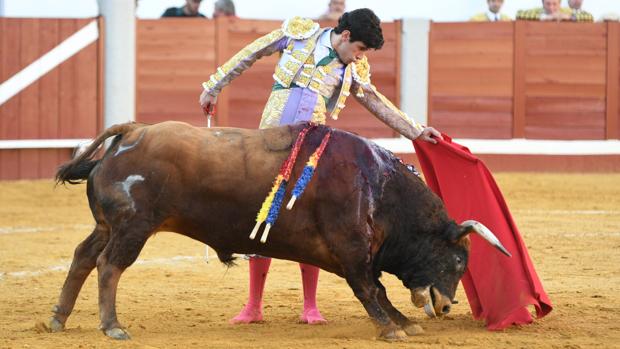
(209, 112)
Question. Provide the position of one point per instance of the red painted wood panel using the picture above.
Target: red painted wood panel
(63, 103)
(612, 125)
(174, 57)
(565, 80)
(67, 86)
(85, 117)
(9, 111)
(29, 101)
(471, 79)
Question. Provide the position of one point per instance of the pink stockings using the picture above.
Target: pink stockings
(253, 311)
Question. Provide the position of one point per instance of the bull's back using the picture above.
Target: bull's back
(231, 162)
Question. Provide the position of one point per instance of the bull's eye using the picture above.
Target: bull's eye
(459, 261)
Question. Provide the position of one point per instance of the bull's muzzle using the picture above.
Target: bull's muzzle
(434, 303)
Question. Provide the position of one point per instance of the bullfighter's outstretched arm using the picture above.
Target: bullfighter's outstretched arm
(276, 41)
(279, 40)
(380, 106)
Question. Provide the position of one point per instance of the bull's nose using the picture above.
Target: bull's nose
(445, 310)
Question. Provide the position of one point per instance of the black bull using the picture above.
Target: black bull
(364, 212)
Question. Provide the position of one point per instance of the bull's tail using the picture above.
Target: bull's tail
(78, 169)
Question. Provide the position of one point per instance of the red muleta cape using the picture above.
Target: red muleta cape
(498, 288)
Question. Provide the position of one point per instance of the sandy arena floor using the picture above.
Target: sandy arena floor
(172, 298)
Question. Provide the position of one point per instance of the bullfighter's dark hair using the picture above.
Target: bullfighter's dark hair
(364, 26)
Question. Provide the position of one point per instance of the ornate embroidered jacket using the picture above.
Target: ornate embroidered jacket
(306, 88)
(537, 13)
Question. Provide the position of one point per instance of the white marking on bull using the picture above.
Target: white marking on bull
(123, 148)
(127, 188)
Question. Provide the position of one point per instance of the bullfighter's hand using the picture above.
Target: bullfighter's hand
(207, 101)
(429, 134)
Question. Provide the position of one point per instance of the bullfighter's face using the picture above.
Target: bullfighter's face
(349, 52)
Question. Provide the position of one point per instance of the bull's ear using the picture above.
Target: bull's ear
(461, 231)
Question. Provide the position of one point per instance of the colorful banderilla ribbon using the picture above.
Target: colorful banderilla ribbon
(271, 206)
(308, 171)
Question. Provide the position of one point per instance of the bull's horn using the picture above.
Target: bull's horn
(486, 234)
(255, 230)
(263, 238)
(429, 309)
(421, 296)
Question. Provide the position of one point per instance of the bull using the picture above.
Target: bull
(363, 213)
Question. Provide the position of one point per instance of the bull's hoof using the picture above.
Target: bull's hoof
(117, 333)
(413, 329)
(55, 325)
(393, 335)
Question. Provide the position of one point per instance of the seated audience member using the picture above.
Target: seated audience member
(335, 9)
(190, 9)
(579, 15)
(224, 8)
(551, 11)
(493, 14)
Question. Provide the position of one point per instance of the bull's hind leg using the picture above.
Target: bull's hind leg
(84, 261)
(407, 325)
(122, 250)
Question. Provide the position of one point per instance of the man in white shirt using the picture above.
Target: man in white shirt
(493, 14)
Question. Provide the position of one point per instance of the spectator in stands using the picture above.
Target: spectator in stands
(551, 11)
(190, 9)
(224, 8)
(335, 10)
(493, 14)
(579, 15)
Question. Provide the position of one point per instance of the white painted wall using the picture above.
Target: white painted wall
(119, 97)
(414, 69)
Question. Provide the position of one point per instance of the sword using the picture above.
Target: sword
(209, 112)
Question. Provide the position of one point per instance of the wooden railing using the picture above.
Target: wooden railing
(525, 80)
(486, 80)
(62, 104)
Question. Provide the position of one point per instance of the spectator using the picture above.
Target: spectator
(224, 8)
(579, 15)
(551, 11)
(335, 10)
(190, 9)
(493, 14)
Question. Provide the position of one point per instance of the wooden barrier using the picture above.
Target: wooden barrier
(486, 80)
(613, 81)
(64, 103)
(471, 79)
(174, 55)
(525, 80)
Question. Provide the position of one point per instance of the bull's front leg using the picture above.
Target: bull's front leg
(404, 322)
(367, 292)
